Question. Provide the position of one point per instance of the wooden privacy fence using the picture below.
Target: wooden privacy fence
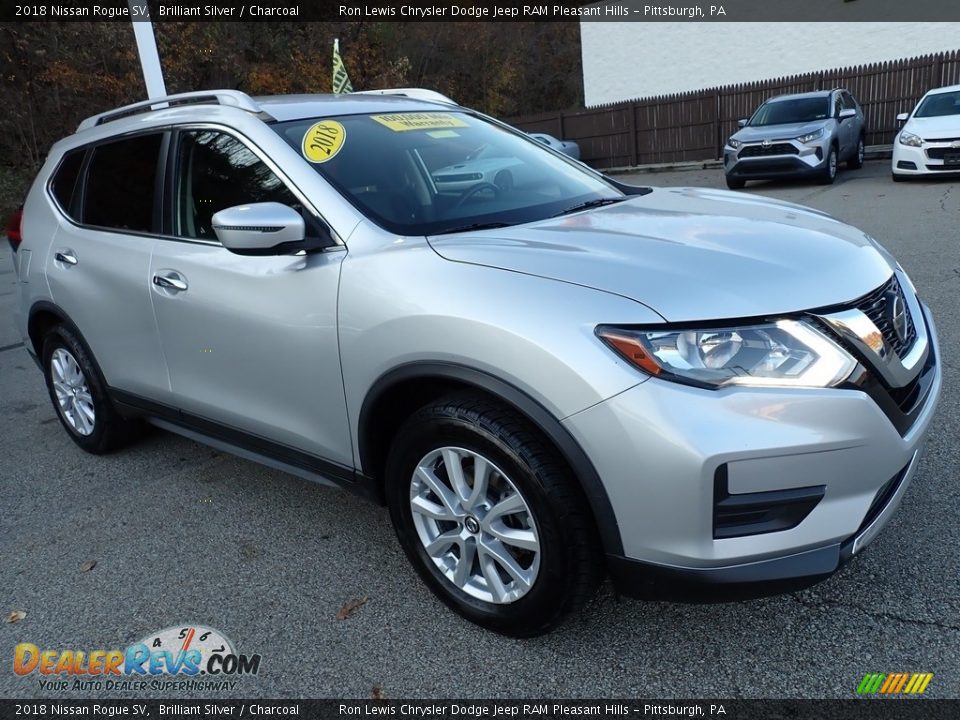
(695, 125)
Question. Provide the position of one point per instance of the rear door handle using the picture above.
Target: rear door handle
(65, 256)
(170, 281)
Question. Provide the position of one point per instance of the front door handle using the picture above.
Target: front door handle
(170, 281)
(65, 256)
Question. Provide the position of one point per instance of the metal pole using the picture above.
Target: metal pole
(147, 49)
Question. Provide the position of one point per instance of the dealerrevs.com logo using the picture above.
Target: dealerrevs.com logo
(185, 657)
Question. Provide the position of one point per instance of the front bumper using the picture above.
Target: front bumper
(659, 446)
(800, 161)
(909, 161)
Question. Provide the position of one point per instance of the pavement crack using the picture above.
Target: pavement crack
(943, 198)
(875, 614)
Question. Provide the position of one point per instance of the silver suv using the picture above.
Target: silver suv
(547, 375)
(805, 135)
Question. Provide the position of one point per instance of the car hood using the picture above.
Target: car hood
(946, 126)
(690, 254)
(778, 132)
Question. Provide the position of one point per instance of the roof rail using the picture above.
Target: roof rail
(414, 93)
(232, 98)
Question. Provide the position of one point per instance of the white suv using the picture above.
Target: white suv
(546, 374)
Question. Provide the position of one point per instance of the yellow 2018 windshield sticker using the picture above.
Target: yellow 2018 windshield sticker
(323, 141)
(401, 122)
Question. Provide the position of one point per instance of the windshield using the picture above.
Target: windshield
(433, 172)
(938, 105)
(782, 112)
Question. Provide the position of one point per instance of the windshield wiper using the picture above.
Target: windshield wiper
(590, 204)
(473, 226)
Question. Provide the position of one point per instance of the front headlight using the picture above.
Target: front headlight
(810, 137)
(907, 138)
(734, 143)
(784, 353)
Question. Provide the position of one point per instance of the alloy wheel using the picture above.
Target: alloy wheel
(475, 525)
(74, 400)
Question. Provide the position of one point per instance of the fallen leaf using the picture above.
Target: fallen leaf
(16, 616)
(88, 566)
(377, 693)
(350, 608)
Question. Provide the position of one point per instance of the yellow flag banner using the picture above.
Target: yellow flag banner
(341, 81)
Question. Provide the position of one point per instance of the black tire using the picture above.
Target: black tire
(856, 162)
(109, 430)
(735, 183)
(897, 177)
(830, 170)
(570, 561)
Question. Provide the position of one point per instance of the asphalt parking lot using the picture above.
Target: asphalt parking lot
(182, 533)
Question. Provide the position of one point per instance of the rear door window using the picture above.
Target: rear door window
(121, 183)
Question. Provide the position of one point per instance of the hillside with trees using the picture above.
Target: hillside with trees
(55, 74)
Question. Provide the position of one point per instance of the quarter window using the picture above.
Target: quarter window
(217, 171)
(65, 180)
(120, 184)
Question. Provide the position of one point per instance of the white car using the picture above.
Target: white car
(929, 141)
(567, 147)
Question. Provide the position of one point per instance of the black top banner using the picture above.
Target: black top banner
(480, 10)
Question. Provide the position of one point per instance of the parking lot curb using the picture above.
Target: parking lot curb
(872, 152)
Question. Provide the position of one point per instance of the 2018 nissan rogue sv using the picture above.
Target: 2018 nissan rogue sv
(547, 375)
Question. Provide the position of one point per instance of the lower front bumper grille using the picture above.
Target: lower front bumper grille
(742, 514)
(882, 498)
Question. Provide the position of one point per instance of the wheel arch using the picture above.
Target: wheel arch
(403, 390)
(43, 316)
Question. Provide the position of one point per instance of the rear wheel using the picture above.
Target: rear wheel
(829, 173)
(490, 517)
(856, 161)
(735, 183)
(79, 395)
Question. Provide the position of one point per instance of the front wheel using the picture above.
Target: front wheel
(735, 183)
(489, 516)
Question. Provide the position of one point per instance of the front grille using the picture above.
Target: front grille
(875, 306)
(765, 151)
(943, 140)
(939, 153)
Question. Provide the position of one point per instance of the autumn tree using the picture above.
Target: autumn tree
(53, 75)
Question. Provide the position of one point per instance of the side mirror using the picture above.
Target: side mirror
(902, 117)
(267, 228)
(742, 122)
(846, 113)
